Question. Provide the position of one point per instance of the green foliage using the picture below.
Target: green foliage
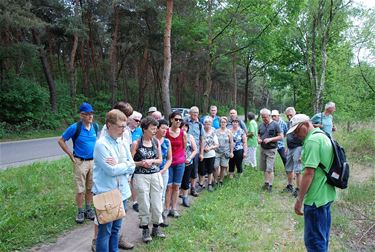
(22, 101)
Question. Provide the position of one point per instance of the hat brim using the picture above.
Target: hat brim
(292, 129)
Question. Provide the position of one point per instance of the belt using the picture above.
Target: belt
(84, 159)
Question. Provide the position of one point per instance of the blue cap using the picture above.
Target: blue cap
(86, 108)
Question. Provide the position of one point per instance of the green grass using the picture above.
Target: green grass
(36, 202)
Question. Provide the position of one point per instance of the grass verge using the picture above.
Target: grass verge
(37, 204)
(23, 135)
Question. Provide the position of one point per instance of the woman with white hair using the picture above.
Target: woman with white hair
(207, 154)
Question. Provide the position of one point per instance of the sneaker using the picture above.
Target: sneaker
(93, 245)
(288, 189)
(174, 213)
(80, 218)
(185, 201)
(136, 207)
(200, 188)
(146, 237)
(125, 245)
(89, 214)
(231, 175)
(193, 192)
(210, 188)
(295, 192)
(265, 186)
(164, 215)
(156, 232)
(270, 188)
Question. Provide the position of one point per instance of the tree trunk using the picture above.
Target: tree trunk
(71, 65)
(166, 102)
(113, 54)
(234, 69)
(246, 96)
(142, 74)
(207, 91)
(47, 72)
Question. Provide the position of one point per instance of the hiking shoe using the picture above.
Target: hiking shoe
(165, 214)
(288, 189)
(89, 214)
(265, 187)
(156, 232)
(80, 218)
(185, 201)
(210, 188)
(295, 192)
(193, 192)
(270, 188)
(146, 237)
(125, 245)
(174, 213)
(136, 207)
(93, 245)
(200, 188)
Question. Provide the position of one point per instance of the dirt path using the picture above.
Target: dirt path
(80, 238)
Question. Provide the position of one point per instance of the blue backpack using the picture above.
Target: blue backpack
(338, 174)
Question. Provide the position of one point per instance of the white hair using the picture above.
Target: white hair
(265, 111)
(329, 105)
(194, 109)
(290, 109)
(136, 115)
(207, 119)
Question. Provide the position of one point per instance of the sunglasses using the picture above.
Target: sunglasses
(178, 119)
(136, 120)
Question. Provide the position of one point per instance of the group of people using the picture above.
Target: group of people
(157, 161)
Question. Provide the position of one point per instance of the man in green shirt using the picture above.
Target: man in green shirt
(315, 193)
(252, 141)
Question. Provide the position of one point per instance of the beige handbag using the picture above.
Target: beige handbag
(109, 206)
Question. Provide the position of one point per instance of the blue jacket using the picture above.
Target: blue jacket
(107, 177)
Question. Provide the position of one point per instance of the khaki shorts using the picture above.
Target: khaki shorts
(267, 159)
(221, 160)
(83, 175)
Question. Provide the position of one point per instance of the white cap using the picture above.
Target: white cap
(296, 120)
(152, 109)
(275, 112)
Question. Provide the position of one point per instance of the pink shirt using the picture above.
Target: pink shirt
(178, 149)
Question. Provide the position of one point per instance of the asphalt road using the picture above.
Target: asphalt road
(16, 153)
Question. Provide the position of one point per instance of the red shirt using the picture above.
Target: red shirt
(178, 148)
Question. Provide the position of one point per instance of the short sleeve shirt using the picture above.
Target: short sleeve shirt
(237, 139)
(209, 140)
(196, 130)
(85, 142)
(317, 148)
(252, 127)
(325, 120)
(268, 131)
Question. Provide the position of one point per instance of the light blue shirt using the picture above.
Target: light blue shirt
(215, 121)
(107, 177)
(325, 120)
(284, 130)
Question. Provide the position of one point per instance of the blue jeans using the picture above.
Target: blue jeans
(175, 174)
(317, 227)
(108, 235)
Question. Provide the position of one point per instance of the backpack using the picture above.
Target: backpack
(78, 130)
(338, 174)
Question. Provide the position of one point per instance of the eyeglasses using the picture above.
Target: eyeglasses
(136, 120)
(178, 119)
(87, 114)
(120, 126)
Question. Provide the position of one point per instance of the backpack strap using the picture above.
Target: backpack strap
(77, 132)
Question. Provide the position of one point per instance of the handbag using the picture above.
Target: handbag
(109, 206)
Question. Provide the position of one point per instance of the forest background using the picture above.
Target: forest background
(246, 54)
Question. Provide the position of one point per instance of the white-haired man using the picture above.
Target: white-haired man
(315, 194)
(269, 133)
(324, 120)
